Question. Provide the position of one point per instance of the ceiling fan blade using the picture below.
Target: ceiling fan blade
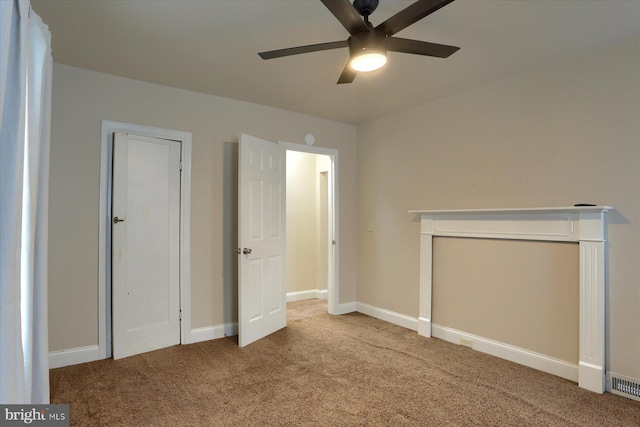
(417, 47)
(347, 76)
(344, 11)
(302, 49)
(411, 14)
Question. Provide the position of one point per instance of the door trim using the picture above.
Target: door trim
(333, 287)
(104, 237)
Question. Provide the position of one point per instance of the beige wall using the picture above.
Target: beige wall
(558, 135)
(537, 285)
(81, 100)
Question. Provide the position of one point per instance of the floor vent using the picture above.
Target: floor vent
(625, 387)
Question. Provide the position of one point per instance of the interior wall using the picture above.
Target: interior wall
(538, 285)
(562, 134)
(81, 100)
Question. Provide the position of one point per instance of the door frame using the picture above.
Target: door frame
(104, 236)
(333, 287)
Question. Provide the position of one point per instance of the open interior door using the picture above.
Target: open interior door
(262, 307)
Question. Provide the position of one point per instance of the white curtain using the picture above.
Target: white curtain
(25, 110)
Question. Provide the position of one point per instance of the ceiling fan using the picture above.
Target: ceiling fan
(368, 45)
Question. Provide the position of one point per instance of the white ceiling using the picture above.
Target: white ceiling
(211, 47)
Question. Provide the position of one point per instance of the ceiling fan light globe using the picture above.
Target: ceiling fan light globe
(368, 61)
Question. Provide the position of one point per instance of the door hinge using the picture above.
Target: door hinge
(180, 315)
(180, 164)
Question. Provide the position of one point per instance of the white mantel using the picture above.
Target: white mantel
(582, 224)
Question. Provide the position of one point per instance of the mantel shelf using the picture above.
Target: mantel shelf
(561, 209)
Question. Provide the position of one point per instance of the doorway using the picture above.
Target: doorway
(262, 217)
(180, 300)
(312, 224)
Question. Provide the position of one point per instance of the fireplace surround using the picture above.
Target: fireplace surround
(582, 224)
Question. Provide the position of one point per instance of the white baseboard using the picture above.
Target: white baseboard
(388, 316)
(519, 355)
(424, 327)
(563, 369)
(345, 308)
(309, 294)
(73, 356)
(591, 377)
(213, 332)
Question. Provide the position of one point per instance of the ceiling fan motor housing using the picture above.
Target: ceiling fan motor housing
(367, 41)
(365, 7)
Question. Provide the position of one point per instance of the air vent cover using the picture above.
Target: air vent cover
(625, 387)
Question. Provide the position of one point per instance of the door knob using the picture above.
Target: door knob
(117, 220)
(246, 251)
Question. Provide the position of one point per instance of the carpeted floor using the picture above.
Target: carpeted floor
(326, 370)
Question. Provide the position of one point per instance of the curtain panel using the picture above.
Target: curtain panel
(25, 109)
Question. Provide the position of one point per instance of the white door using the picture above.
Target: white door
(262, 307)
(145, 244)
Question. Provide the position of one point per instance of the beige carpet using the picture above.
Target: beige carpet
(328, 371)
